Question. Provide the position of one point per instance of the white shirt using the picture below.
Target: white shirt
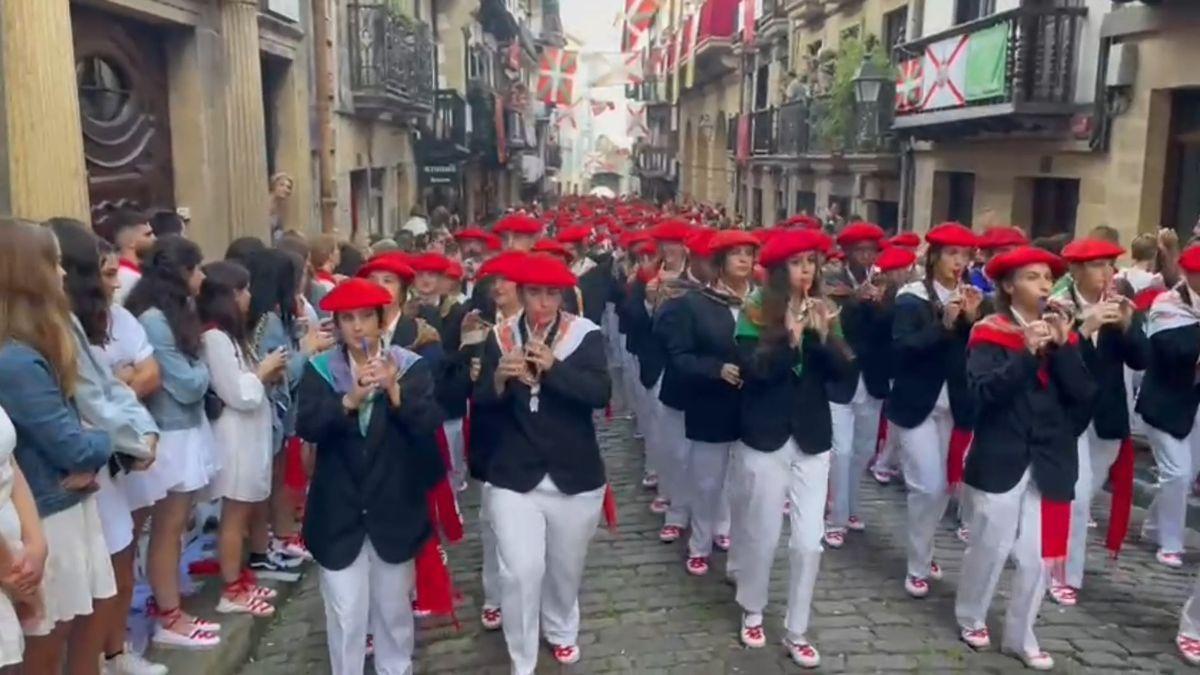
(417, 225)
(127, 342)
(128, 277)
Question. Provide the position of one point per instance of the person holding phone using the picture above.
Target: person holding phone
(362, 404)
(543, 376)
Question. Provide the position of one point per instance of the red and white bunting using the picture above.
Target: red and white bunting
(556, 79)
(635, 125)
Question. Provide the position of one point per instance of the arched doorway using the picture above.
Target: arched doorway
(120, 69)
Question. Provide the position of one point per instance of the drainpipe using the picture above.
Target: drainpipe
(323, 58)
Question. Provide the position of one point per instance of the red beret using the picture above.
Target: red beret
(435, 263)
(394, 263)
(727, 239)
(804, 221)
(644, 246)
(952, 234)
(518, 223)
(454, 270)
(764, 234)
(473, 233)
(698, 242)
(895, 258)
(1189, 260)
(671, 230)
(554, 247)
(543, 269)
(575, 234)
(501, 265)
(1000, 237)
(906, 239)
(1086, 250)
(787, 244)
(354, 294)
(1005, 263)
(860, 232)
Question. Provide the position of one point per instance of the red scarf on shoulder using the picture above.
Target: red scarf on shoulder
(1001, 331)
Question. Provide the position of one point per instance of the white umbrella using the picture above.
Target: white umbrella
(603, 191)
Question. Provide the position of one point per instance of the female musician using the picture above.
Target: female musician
(702, 348)
(363, 404)
(1112, 339)
(1035, 396)
(929, 399)
(790, 350)
(543, 375)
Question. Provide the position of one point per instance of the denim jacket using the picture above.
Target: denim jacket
(51, 439)
(179, 404)
(270, 335)
(109, 404)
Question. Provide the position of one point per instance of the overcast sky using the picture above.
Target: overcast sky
(594, 23)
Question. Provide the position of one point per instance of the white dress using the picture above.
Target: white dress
(12, 644)
(242, 434)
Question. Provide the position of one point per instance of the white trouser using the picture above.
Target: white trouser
(1009, 523)
(369, 592)
(855, 434)
(542, 537)
(458, 451)
(630, 385)
(887, 459)
(707, 477)
(673, 474)
(768, 479)
(1096, 457)
(1189, 619)
(491, 558)
(1177, 461)
(652, 409)
(923, 452)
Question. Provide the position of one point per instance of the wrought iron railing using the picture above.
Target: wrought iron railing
(792, 121)
(818, 126)
(654, 161)
(391, 56)
(1041, 51)
(763, 132)
(450, 117)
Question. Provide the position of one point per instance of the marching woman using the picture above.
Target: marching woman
(366, 405)
(1168, 403)
(790, 351)
(857, 400)
(1112, 338)
(543, 375)
(702, 349)
(1035, 397)
(929, 402)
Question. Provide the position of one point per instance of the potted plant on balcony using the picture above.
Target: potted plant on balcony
(835, 120)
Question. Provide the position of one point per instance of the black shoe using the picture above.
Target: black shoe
(271, 567)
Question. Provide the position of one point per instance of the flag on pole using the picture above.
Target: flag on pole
(556, 79)
(638, 16)
(693, 26)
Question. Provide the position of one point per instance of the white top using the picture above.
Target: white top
(127, 341)
(128, 278)
(10, 525)
(243, 431)
(417, 225)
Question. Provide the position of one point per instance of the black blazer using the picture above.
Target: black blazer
(674, 391)
(867, 328)
(1169, 396)
(374, 485)
(699, 344)
(776, 403)
(927, 355)
(1106, 361)
(595, 287)
(1023, 423)
(559, 439)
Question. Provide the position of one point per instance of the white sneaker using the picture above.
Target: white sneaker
(132, 663)
(804, 654)
(1038, 661)
(917, 588)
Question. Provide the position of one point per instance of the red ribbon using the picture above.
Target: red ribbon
(1120, 478)
(435, 588)
(610, 509)
(956, 459)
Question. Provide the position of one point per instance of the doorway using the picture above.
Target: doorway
(1181, 193)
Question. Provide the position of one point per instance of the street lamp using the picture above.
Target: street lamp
(868, 85)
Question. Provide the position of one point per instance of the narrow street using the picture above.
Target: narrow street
(643, 614)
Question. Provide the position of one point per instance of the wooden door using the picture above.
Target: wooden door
(120, 70)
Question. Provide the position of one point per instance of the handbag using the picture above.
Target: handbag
(213, 405)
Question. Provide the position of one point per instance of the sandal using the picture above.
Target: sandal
(1064, 595)
(1189, 649)
(565, 654)
(193, 637)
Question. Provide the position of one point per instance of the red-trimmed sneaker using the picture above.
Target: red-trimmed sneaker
(565, 654)
(976, 639)
(882, 476)
(963, 533)
(370, 645)
(491, 618)
(670, 533)
(916, 587)
(935, 571)
(722, 542)
(855, 524)
(1172, 560)
(697, 565)
(660, 505)
(1189, 649)
(1038, 661)
(1064, 595)
(293, 547)
(835, 538)
(753, 637)
(650, 480)
(804, 654)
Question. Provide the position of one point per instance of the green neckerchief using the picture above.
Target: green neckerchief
(1064, 282)
(320, 363)
(748, 329)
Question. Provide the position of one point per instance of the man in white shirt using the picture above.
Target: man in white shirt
(130, 232)
(416, 224)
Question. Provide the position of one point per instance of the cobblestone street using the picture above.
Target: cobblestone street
(643, 614)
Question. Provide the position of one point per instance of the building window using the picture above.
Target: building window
(1055, 203)
(103, 88)
(756, 207)
(780, 206)
(806, 202)
(1181, 186)
(969, 10)
(761, 86)
(954, 196)
(895, 25)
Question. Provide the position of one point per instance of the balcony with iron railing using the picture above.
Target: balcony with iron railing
(715, 36)
(1017, 71)
(818, 127)
(391, 61)
(447, 138)
(654, 161)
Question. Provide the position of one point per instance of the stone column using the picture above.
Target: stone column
(42, 171)
(245, 124)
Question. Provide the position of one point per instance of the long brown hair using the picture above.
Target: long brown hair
(33, 305)
(777, 295)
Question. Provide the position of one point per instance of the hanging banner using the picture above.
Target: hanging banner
(611, 69)
(987, 63)
(638, 17)
(556, 80)
(635, 126)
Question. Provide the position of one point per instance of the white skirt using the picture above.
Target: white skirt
(243, 447)
(115, 516)
(185, 462)
(78, 569)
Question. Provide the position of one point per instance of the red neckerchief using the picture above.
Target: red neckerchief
(1002, 331)
(129, 265)
(327, 277)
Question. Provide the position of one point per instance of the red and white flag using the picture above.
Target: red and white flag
(638, 16)
(556, 77)
(635, 125)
